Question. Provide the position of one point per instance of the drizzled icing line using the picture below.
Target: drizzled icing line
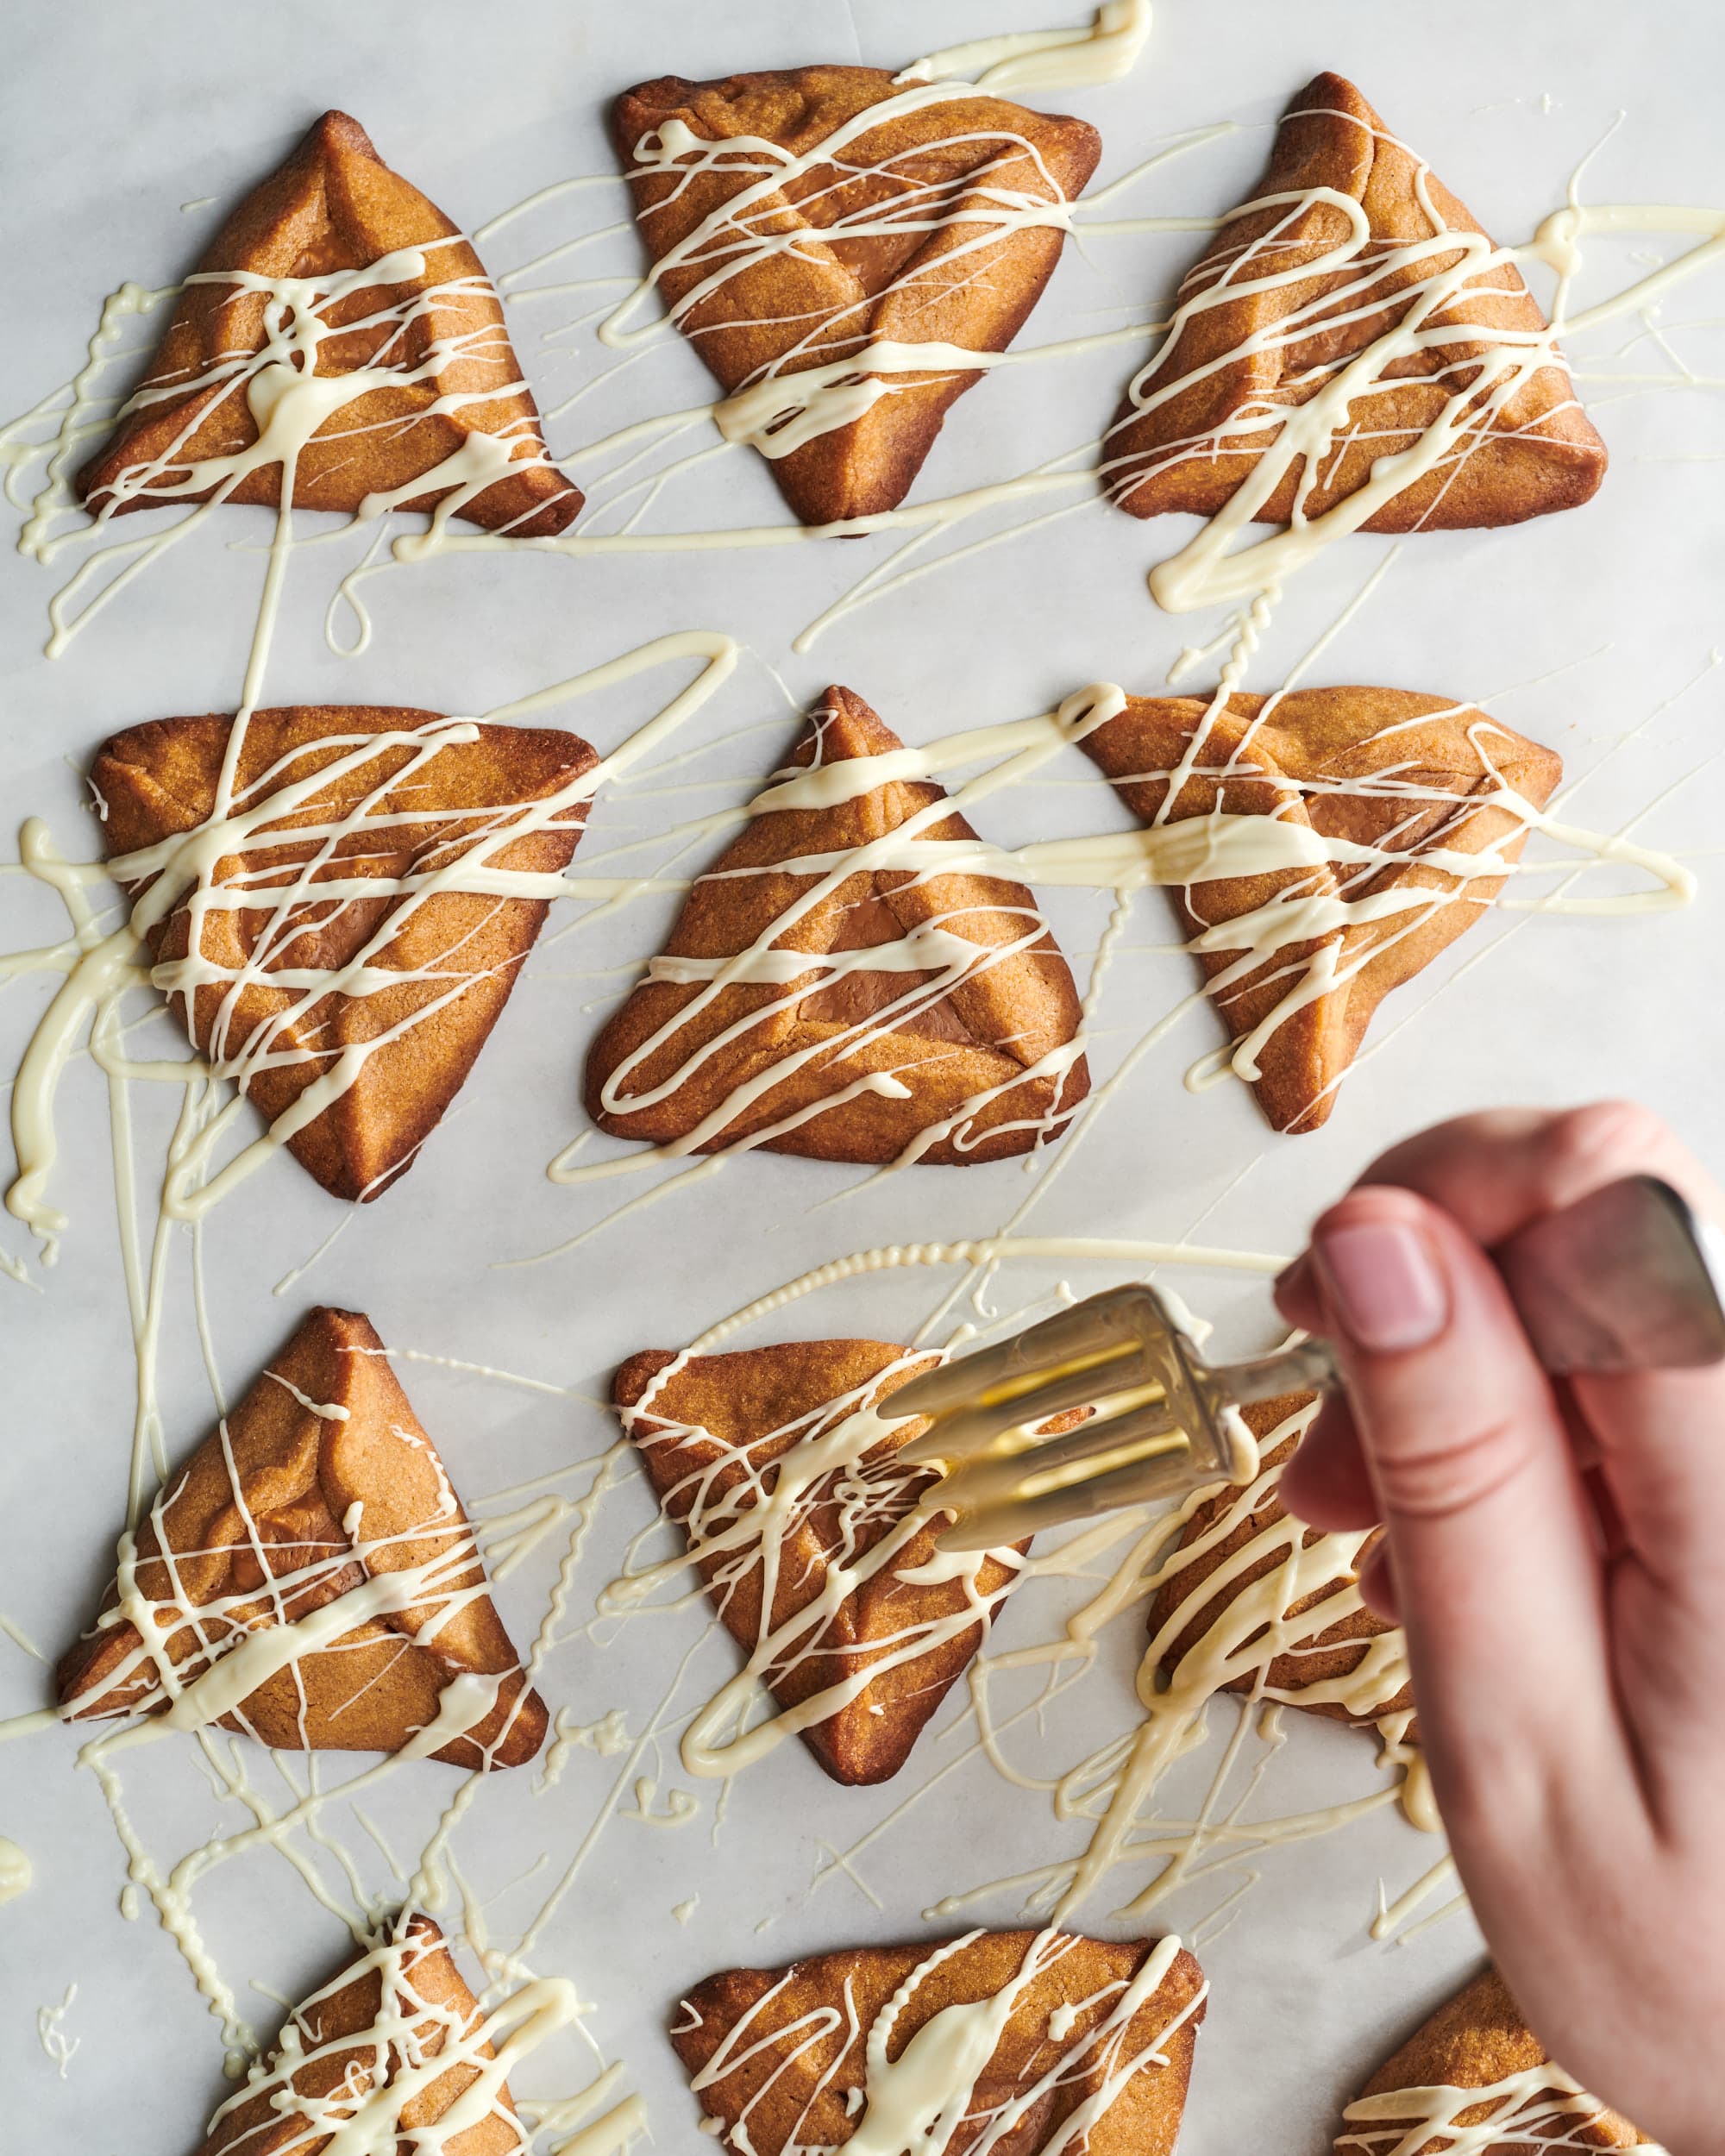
(1106, 51)
(424, 2036)
(1541, 2105)
(16, 1870)
(1329, 891)
(798, 395)
(739, 1513)
(918, 2099)
(229, 862)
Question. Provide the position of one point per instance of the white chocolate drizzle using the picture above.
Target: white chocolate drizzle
(16, 1871)
(74, 416)
(58, 2048)
(1106, 51)
(740, 1513)
(1542, 2106)
(611, 2134)
(418, 2037)
(915, 2103)
(1334, 894)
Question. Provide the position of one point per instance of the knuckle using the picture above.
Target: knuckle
(1606, 1133)
(1436, 1479)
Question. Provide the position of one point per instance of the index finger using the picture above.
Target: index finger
(1491, 1534)
(1658, 1434)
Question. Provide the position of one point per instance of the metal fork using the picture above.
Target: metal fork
(1629, 1278)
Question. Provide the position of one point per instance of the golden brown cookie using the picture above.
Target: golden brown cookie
(363, 2046)
(1477, 2041)
(1250, 1557)
(1265, 324)
(717, 1433)
(781, 2057)
(400, 800)
(320, 1486)
(938, 223)
(335, 208)
(1396, 774)
(973, 1045)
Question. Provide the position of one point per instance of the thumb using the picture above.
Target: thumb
(1490, 1533)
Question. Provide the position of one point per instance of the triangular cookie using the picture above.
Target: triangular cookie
(457, 415)
(960, 1047)
(1477, 2041)
(1092, 2046)
(717, 1433)
(323, 1475)
(1246, 1577)
(1363, 777)
(367, 2052)
(403, 797)
(938, 223)
(1261, 328)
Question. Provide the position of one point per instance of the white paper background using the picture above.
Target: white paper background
(117, 116)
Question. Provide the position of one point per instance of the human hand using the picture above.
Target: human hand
(1556, 1552)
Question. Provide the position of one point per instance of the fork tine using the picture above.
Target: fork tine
(997, 1526)
(975, 1432)
(1057, 1462)
(976, 1400)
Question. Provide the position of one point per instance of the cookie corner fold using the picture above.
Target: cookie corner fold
(1198, 422)
(410, 1047)
(320, 1488)
(402, 2000)
(1368, 782)
(962, 1046)
(331, 211)
(869, 243)
(715, 1437)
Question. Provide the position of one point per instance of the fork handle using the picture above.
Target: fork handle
(1309, 1366)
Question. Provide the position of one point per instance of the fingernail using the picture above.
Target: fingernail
(1382, 1281)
